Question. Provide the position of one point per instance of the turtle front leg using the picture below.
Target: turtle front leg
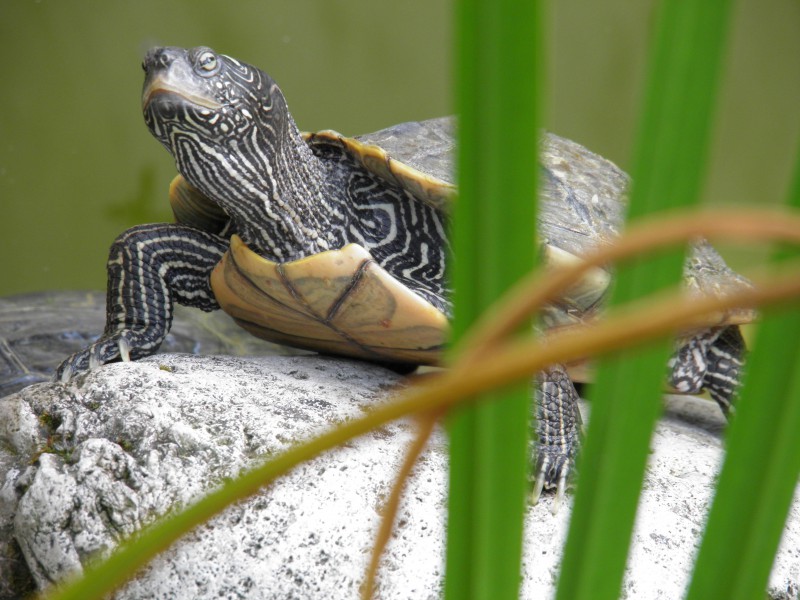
(713, 361)
(558, 424)
(149, 268)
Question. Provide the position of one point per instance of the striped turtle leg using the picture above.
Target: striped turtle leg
(149, 268)
(558, 422)
(713, 361)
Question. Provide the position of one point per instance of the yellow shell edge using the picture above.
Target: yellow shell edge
(431, 190)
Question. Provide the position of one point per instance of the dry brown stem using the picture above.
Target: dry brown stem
(426, 424)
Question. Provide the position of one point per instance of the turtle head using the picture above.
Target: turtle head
(205, 106)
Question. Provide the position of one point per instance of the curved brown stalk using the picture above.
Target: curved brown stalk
(426, 423)
(623, 327)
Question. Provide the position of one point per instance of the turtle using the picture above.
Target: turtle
(339, 244)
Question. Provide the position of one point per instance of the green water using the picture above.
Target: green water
(78, 166)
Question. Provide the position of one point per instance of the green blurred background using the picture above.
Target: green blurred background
(78, 166)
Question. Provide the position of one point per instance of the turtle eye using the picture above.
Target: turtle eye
(207, 61)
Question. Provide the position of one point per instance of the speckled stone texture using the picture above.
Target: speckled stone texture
(85, 463)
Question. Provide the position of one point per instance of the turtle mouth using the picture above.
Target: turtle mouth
(158, 87)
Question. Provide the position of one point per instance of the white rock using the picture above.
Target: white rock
(135, 440)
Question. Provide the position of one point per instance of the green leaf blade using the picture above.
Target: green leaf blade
(762, 465)
(667, 173)
(493, 243)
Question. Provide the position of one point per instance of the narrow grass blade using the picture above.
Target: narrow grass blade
(762, 465)
(493, 241)
(667, 172)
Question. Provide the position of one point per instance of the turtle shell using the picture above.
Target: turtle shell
(342, 302)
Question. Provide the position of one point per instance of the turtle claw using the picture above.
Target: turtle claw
(538, 486)
(552, 473)
(65, 376)
(561, 489)
(124, 350)
(94, 357)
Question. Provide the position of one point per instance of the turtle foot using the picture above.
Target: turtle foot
(107, 349)
(553, 471)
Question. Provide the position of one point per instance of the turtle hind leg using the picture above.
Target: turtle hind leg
(558, 423)
(713, 361)
(725, 363)
(149, 268)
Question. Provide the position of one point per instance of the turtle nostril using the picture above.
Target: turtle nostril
(158, 58)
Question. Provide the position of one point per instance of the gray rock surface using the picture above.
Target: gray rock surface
(40, 329)
(84, 463)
